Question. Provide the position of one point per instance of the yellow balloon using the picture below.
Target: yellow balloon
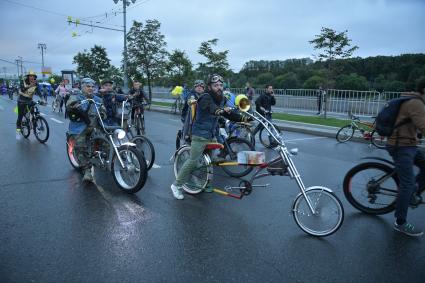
(52, 80)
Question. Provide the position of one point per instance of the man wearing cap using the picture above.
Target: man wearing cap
(82, 128)
(110, 98)
(210, 106)
(28, 88)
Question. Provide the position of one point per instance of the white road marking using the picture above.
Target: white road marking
(56, 120)
(156, 166)
(303, 139)
(42, 114)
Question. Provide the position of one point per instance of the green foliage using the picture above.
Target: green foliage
(287, 81)
(179, 68)
(146, 51)
(314, 82)
(263, 79)
(216, 61)
(94, 63)
(352, 82)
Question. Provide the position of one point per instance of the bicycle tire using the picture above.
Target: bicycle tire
(320, 199)
(133, 154)
(25, 127)
(369, 189)
(145, 146)
(36, 127)
(264, 137)
(345, 133)
(70, 152)
(243, 145)
(243, 132)
(199, 178)
(377, 140)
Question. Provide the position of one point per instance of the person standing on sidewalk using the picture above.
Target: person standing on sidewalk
(320, 95)
(402, 146)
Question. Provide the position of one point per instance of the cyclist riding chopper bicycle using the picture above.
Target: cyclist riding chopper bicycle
(90, 142)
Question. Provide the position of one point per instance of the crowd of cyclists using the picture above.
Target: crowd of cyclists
(204, 105)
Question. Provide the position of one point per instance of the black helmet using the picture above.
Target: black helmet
(77, 115)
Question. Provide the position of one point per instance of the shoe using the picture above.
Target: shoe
(88, 177)
(208, 189)
(18, 135)
(408, 229)
(177, 192)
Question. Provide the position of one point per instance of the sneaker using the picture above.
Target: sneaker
(408, 229)
(415, 200)
(88, 177)
(177, 192)
(18, 135)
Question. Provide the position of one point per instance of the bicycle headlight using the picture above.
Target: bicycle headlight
(120, 134)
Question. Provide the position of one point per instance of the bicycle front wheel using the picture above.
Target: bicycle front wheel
(345, 133)
(25, 126)
(243, 132)
(236, 145)
(145, 146)
(132, 177)
(328, 212)
(378, 140)
(371, 187)
(41, 129)
(199, 177)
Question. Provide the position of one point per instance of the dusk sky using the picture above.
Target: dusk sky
(250, 30)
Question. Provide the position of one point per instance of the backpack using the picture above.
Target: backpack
(385, 122)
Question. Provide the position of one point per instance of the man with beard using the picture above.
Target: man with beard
(210, 106)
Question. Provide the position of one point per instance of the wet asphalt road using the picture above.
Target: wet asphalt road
(55, 228)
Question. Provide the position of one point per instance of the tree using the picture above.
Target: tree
(288, 81)
(146, 51)
(179, 67)
(216, 61)
(334, 45)
(94, 64)
(313, 82)
(352, 82)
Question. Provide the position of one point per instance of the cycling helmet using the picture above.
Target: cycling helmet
(107, 81)
(87, 81)
(214, 78)
(31, 73)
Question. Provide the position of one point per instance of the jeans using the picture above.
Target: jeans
(404, 158)
(196, 149)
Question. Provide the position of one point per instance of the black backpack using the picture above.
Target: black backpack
(385, 122)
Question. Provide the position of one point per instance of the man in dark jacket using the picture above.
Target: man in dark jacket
(210, 106)
(263, 105)
(402, 146)
(110, 100)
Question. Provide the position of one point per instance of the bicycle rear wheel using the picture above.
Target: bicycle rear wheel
(243, 132)
(371, 187)
(41, 129)
(378, 140)
(345, 133)
(236, 145)
(145, 146)
(328, 216)
(199, 177)
(265, 138)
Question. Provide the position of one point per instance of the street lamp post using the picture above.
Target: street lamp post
(125, 3)
(42, 46)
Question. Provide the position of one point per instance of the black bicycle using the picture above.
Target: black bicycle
(246, 131)
(33, 120)
(372, 186)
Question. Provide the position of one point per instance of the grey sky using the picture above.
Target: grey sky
(250, 30)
